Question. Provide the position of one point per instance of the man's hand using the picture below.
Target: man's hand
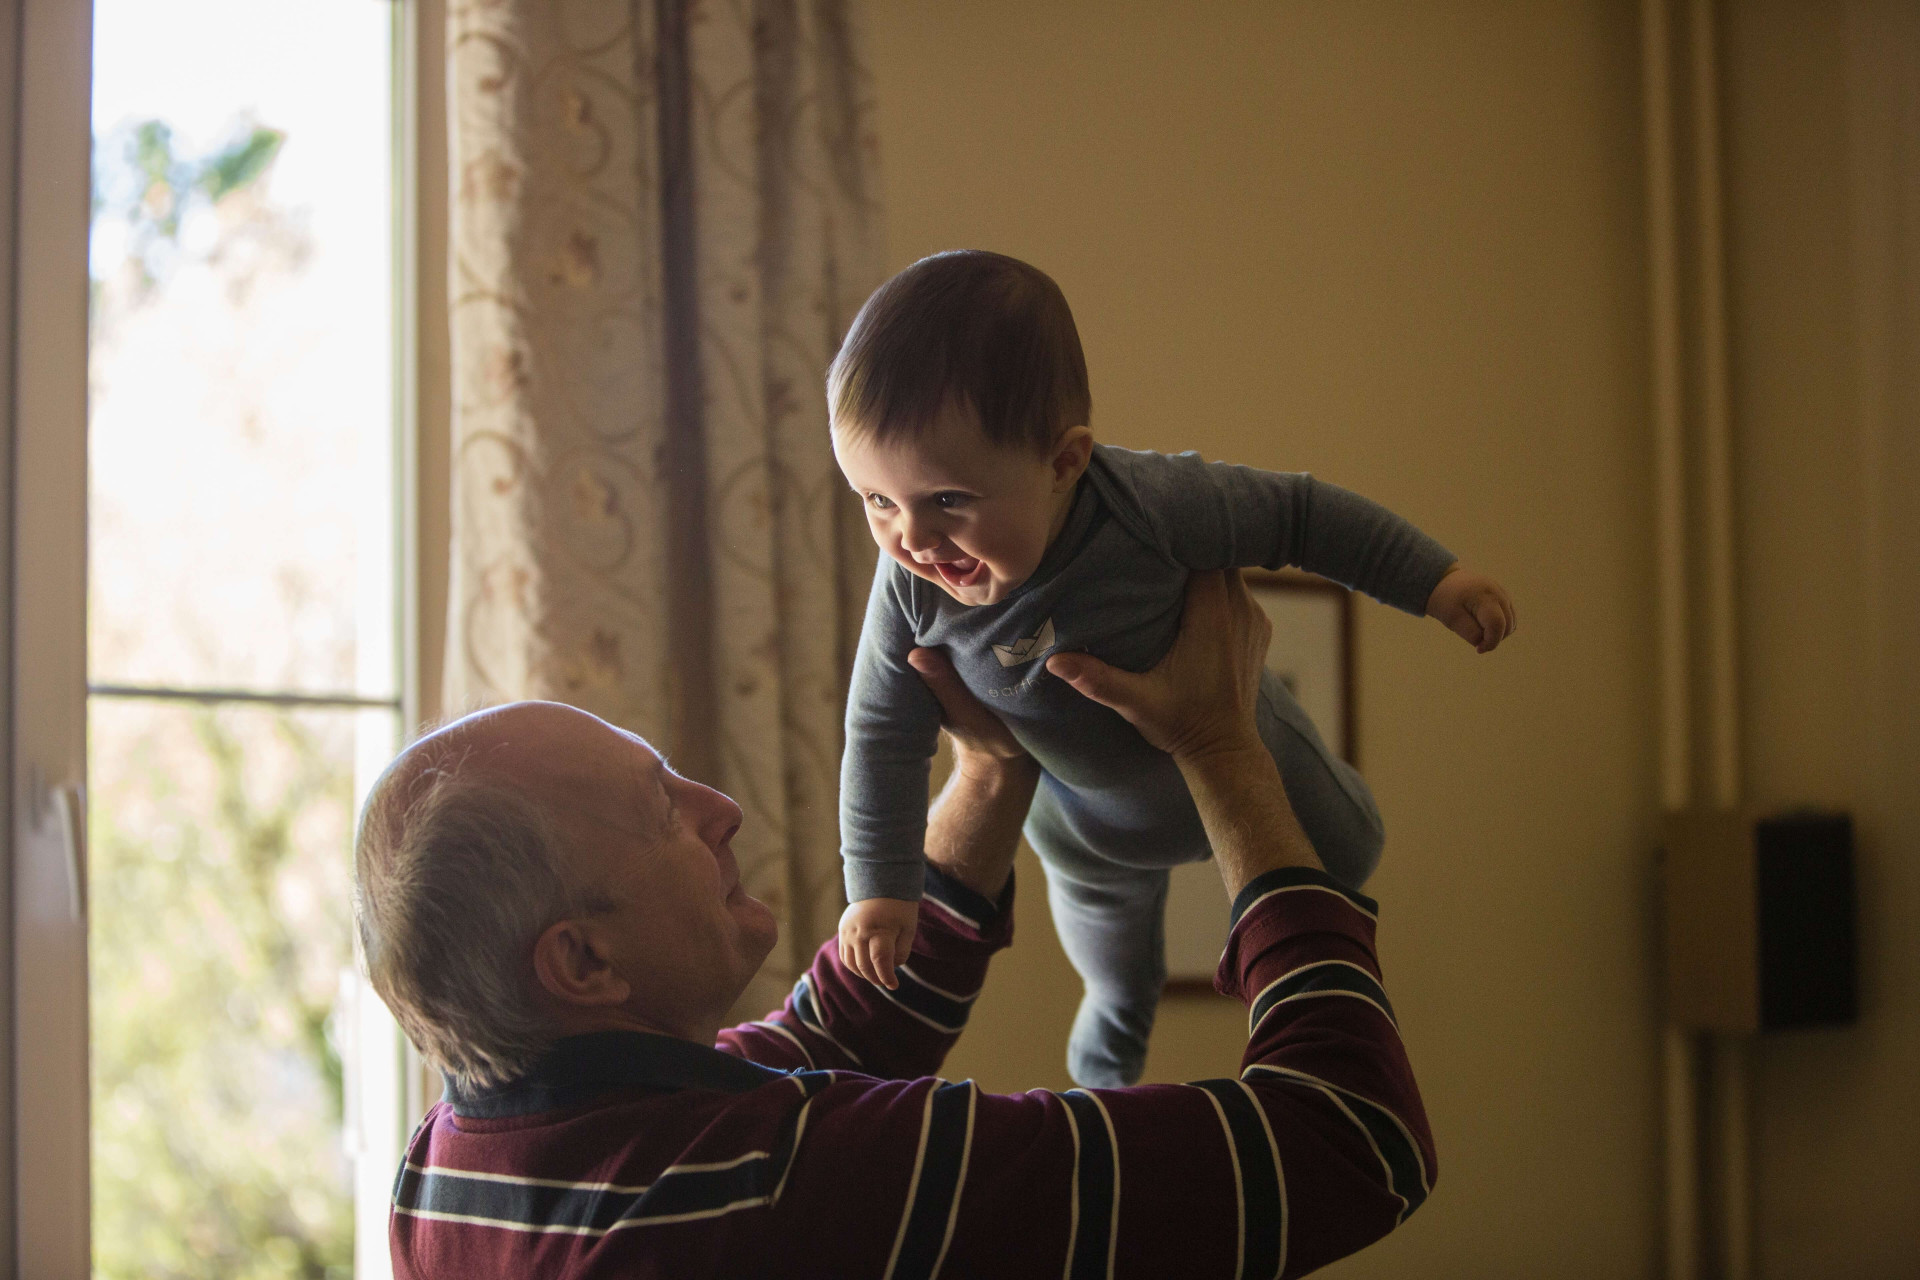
(1198, 705)
(1200, 697)
(876, 934)
(1475, 608)
(978, 735)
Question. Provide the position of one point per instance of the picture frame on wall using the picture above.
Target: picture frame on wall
(1312, 651)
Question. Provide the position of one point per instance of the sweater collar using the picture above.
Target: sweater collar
(580, 1068)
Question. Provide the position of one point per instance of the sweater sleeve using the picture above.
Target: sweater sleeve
(1216, 515)
(893, 727)
(1317, 1148)
(836, 1020)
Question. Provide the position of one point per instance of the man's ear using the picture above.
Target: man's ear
(573, 969)
(1071, 453)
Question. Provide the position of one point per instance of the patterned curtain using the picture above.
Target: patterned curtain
(664, 220)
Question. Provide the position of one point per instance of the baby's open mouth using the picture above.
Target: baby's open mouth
(963, 572)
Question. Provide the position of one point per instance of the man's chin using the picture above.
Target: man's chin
(758, 927)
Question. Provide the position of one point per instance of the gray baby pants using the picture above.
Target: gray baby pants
(1107, 882)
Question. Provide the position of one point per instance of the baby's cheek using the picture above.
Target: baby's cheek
(1016, 550)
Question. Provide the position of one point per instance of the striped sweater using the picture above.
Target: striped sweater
(819, 1143)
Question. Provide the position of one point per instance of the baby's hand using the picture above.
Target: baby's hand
(1475, 607)
(875, 935)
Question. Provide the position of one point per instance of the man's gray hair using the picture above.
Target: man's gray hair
(456, 874)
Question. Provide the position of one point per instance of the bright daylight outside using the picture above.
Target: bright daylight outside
(242, 541)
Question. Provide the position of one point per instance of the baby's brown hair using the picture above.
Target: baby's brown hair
(978, 329)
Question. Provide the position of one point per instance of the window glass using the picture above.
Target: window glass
(242, 539)
(220, 938)
(241, 397)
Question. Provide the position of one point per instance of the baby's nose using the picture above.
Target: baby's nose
(917, 536)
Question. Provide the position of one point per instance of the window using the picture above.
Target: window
(244, 630)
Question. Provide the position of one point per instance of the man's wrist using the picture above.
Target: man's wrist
(986, 874)
(989, 770)
(974, 827)
(1223, 757)
(1244, 807)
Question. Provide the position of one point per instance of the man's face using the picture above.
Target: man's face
(969, 516)
(685, 933)
(652, 852)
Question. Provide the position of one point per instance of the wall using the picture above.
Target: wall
(1399, 246)
(1822, 103)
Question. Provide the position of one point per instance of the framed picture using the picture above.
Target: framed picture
(1312, 653)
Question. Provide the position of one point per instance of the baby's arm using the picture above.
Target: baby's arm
(893, 725)
(1217, 515)
(971, 830)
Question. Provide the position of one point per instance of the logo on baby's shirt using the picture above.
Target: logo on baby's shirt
(1027, 648)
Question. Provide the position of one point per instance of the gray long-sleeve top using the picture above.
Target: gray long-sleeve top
(1112, 584)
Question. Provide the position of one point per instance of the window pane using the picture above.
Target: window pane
(220, 938)
(241, 434)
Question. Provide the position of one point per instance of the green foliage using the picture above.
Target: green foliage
(239, 164)
(140, 178)
(164, 180)
(219, 933)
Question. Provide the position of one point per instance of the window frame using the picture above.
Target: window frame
(50, 167)
(45, 218)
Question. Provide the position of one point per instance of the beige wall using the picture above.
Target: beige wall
(1824, 287)
(1399, 246)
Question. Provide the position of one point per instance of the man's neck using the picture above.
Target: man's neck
(576, 1021)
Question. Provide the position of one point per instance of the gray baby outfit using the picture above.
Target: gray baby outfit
(1112, 813)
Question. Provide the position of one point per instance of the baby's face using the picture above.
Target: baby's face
(970, 516)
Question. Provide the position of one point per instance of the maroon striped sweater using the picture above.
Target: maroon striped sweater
(818, 1143)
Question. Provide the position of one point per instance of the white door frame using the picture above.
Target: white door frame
(51, 176)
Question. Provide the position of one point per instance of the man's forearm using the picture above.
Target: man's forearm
(1326, 1146)
(973, 827)
(1244, 808)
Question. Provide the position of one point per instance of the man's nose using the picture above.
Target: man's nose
(719, 815)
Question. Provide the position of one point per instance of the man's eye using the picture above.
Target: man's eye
(880, 500)
(948, 501)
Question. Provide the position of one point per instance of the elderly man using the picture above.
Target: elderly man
(557, 920)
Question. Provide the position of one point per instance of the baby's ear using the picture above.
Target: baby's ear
(1071, 453)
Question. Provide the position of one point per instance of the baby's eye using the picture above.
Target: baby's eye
(949, 500)
(880, 500)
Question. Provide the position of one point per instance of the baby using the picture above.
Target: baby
(960, 411)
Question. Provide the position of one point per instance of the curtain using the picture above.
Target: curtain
(664, 218)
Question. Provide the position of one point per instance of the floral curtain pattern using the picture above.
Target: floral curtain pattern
(664, 219)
